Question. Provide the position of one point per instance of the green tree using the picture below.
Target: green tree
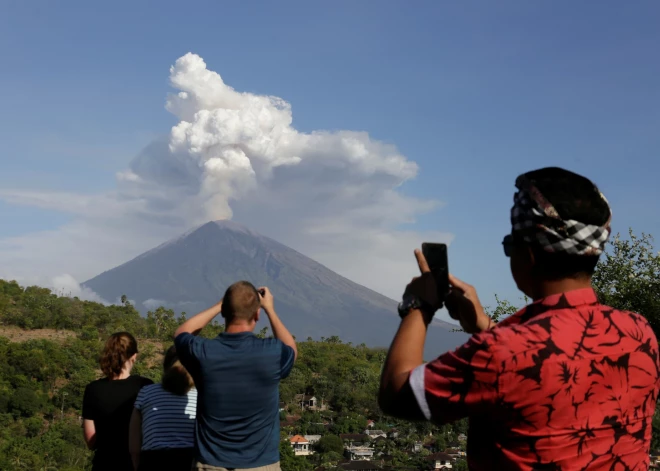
(33, 426)
(330, 443)
(460, 465)
(162, 323)
(503, 309)
(25, 402)
(262, 333)
(441, 443)
(628, 277)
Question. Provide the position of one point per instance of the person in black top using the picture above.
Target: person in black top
(108, 404)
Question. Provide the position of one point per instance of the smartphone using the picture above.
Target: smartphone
(436, 256)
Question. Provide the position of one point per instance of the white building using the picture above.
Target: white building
(300, 445)
(359, 453)
(310, 402)
(440, 461)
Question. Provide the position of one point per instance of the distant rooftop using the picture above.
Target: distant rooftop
(298, 439)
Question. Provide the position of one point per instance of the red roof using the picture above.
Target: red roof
(298, 439)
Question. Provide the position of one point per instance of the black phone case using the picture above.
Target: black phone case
(436, 257)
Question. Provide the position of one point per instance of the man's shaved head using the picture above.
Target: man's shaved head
(241, 302)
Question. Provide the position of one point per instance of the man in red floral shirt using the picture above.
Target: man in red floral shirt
(564, 384)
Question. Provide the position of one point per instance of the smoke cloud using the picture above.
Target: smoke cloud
(66, 285)
(334, 196)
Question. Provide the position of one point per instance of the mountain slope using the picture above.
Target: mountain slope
(191, 272)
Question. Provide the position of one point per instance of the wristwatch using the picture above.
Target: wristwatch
(410, 303)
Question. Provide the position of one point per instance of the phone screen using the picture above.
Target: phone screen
(436, 256)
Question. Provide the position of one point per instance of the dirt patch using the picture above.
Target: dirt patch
(16, 334)
(151, 351)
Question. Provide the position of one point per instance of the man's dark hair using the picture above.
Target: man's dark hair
(241, 302)
(574, 197)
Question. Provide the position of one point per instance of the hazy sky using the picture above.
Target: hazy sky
(351, 131)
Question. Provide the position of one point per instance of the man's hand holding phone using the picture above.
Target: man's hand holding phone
(422, 292)
(463, 305)
(461, 300)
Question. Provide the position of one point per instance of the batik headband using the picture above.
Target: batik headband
(535, 219)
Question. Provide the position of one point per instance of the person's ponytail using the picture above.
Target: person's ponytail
(119, 348)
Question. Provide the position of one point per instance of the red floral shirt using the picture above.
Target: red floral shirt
(564, 384)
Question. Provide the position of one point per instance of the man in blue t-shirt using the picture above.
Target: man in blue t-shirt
(237, 376)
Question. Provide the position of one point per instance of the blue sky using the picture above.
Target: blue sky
(473, 92)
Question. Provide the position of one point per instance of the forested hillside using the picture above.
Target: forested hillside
(49, 347)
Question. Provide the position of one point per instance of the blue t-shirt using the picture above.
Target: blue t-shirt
(237, 377)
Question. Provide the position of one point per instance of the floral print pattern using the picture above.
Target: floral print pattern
(564, 384)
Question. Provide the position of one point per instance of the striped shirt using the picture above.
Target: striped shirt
(168, 420)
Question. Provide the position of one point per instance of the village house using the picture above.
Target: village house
(440, 461)
(370, 424)
(310, 402)
(300, 445)
(655, 461)
(417, 447)
(394, 433)
(462, 437)
(354, 439)
(306, 402)
(359, 453)
(455, 453)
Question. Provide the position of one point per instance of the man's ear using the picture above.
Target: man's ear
(257, 315)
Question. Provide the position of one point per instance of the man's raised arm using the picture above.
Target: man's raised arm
(279, 330)
(195, 324)
(403, 386)
(407, 351)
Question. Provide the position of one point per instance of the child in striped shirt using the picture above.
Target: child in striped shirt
(162, 432)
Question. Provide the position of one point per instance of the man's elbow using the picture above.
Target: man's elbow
(399, 403)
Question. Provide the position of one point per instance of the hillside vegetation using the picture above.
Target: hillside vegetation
(49, 346)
